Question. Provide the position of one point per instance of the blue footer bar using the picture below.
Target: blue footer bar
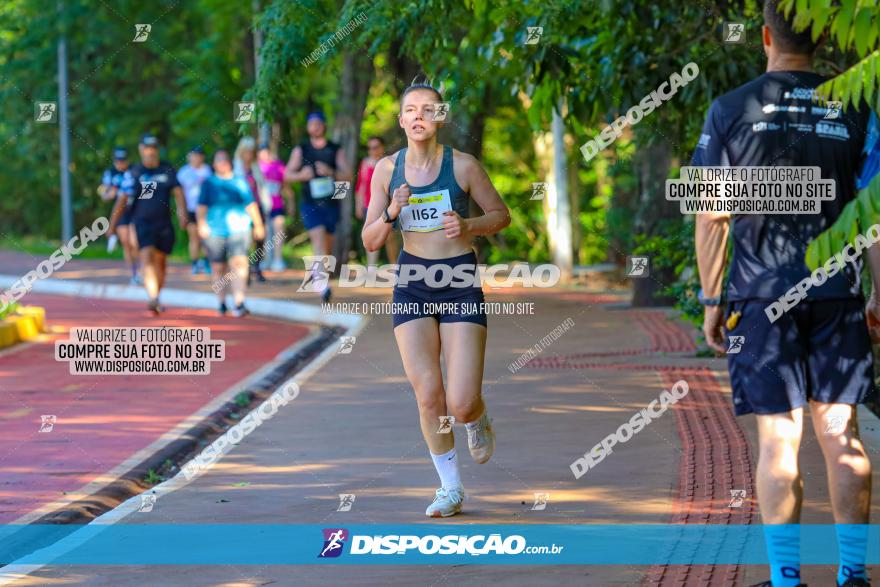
(531, 544)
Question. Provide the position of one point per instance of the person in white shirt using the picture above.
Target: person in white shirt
(191, 176)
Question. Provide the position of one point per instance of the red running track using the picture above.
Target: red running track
(103, 420)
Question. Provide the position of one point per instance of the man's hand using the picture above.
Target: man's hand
(307, 173)
(454, 225)
(872, 313)
(259, 232)
(323, 169)
(399, 200)
(712, 319)
(204, 230)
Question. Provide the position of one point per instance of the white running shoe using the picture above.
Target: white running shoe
(447, 502)
(481, 439)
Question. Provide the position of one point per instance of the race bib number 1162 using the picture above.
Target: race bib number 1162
(425, 211)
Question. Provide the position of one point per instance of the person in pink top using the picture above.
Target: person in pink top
(375, 151)
(273, 176)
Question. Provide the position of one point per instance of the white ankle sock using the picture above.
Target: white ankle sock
(447, 468)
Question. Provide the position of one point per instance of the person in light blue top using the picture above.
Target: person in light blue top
(225, 214)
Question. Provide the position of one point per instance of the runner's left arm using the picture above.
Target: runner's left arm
(496, 216)
(254, 213)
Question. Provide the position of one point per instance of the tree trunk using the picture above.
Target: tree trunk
(652, 166)
(560, 236)
(357, 74)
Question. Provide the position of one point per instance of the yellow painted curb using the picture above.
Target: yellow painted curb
(26, 323)
(8, 333)
(38, 313)
(27, 327)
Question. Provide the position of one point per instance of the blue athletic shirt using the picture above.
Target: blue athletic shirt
(227, 201)
(149, 191)
(773, 121)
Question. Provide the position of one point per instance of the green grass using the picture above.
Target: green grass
(10, 309)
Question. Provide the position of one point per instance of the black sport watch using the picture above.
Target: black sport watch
(386, 217)
(716, 301)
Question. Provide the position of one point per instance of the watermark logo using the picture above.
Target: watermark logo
(245, 112)
(148, 190)
(318, 269)
(45, 112)
(630, 428)
(340, 189)
(446, 423)
(834, 107)
(441, 112)
(637, 267)
(734, 33)
(334, 540)
(330, 43)
(539, 347)
(346, 345)
(148, 501)
(665, 91)
(47, 423)
(832, 266)
(346, 500)
(234, 435)
(449, 544)
(55, 261)
(735, 344)
(835, 425)
(737, 497)
(533, 34)
(258, 254)
(141, 32)
(541, 501)
(539, 191)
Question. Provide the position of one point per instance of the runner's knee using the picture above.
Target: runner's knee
(429, 394)
(464, 410)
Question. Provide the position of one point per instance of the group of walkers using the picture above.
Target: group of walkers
(226, 211)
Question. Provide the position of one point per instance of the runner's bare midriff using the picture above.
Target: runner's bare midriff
(435, 245)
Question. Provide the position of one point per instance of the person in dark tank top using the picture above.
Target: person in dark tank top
(317, 164)
(425, 190)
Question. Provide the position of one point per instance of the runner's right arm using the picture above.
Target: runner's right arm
(711, 230)
(295, 171)
(106, 189)
(376, 230)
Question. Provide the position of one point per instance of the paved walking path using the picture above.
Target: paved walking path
(354, 429)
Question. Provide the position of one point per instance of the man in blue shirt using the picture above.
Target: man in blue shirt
(818, 353)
